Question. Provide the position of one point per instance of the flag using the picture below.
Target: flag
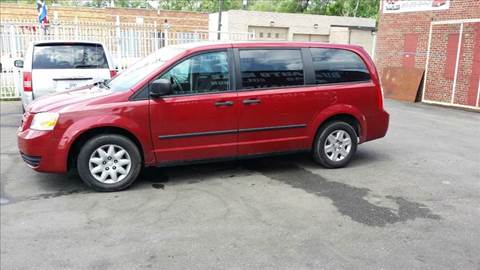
(42, 11)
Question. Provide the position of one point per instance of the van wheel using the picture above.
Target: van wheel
(109, 162)
(335, 144)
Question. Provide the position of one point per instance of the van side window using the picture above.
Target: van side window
(337, 65)
(207, 72)
(271, 68)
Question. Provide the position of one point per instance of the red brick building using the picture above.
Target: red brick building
(178, 20)
(437, 40)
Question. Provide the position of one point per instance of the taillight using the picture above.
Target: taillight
(113, 73)
(380, 98)
(27, 81)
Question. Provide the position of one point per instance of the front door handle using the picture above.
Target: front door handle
(251, 101)
(223, 103)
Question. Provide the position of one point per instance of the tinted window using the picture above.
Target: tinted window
(271, 68)
(62, 56)
(202, 73)
(335, 66)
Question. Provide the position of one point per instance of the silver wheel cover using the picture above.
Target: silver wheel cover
(337, 145)
(109, 164)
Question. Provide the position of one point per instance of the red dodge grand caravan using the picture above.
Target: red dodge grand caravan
(210, 101)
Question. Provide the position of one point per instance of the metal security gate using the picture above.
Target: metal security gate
(452, 71)
(127, 42)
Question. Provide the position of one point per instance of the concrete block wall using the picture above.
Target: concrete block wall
(299, 24)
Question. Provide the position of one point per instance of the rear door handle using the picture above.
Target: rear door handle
(223, 103)
(251, 101)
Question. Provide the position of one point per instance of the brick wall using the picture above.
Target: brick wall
(179, 21)
(443, 53)
(469, 71)
(391, 52)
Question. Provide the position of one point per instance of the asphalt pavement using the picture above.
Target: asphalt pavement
(408, 201)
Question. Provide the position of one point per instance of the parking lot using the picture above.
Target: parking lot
(408, 201)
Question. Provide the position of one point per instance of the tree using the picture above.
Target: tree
(289, 6)
(97, 3)
(366, 8)
(199, 5)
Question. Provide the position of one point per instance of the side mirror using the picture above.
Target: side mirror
(160, 87)
(18, 63)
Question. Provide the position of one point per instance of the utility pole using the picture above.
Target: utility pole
(220, 8)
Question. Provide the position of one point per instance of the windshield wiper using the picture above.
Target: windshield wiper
(103, 84)
(86, 66)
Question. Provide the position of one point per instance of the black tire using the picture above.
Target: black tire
(318, 152)
(94, 143)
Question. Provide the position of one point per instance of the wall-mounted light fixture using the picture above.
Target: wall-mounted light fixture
(272, 23)
(315, 26)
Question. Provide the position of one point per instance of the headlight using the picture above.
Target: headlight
(44, 121)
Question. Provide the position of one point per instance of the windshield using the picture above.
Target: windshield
(137, 72)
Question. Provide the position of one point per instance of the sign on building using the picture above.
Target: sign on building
(398, 6)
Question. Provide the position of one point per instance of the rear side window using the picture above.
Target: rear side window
(271, 68)
(69, 56)
(337, 66)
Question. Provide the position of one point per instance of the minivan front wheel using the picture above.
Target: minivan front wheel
(109, 162)
(335, 144)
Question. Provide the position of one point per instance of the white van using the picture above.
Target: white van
(54, 66)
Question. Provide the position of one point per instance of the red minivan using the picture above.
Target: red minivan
(207, 102)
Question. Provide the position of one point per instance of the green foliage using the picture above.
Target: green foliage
(18, 1)
(289, 6)
(365, 8)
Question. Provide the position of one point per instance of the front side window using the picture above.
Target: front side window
(337, 66)
(137, 72)
(202, 73)
(271, 68)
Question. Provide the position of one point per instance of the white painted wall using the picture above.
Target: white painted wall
(366, 39)
(303, 26)
(240, 20)
(339, 35)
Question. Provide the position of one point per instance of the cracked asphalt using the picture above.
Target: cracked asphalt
(408, 201)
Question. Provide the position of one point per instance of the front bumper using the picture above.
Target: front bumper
(31, 161)
(40, 149)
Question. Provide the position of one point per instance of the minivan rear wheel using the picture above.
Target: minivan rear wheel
(335, 144)
(109, 162)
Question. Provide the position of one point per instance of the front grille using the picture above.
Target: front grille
(31, 160)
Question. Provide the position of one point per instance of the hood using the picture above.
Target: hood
(58, 101)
